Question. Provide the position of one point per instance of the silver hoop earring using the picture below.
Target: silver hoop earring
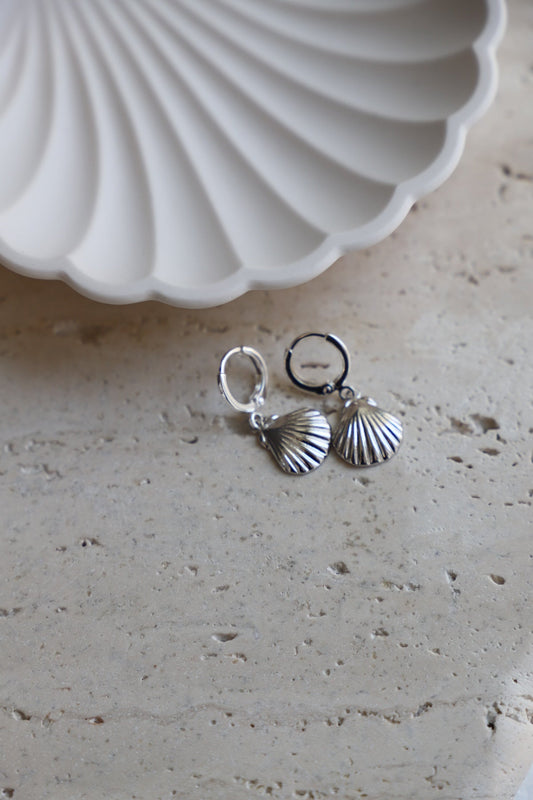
(298, 441)
(365, 435)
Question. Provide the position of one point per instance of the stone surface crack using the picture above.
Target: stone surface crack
(301, 718)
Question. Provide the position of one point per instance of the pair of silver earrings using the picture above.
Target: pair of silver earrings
(364, 435)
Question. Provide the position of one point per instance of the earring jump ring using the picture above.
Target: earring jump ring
(330, 386)
(258, 395)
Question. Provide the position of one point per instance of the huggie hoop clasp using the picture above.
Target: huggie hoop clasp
(259, 393)
(325, 388)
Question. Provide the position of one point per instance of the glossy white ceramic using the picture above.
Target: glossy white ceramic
(190, 150)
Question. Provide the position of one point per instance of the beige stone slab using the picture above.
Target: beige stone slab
(173, 624)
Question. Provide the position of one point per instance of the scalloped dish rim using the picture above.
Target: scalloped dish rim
(333, 246)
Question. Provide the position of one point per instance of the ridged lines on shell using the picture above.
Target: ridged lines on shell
(366, 435)
(298, 441)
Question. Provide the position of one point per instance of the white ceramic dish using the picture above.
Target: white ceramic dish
(190, 150)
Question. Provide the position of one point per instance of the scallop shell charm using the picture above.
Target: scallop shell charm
(366, 435)
(299, 441)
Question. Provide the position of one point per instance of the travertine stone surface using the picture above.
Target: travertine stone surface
(179, 619)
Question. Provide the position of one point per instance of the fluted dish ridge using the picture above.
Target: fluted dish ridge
(192, 149)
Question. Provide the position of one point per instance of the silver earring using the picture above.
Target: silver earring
(365, 435)
(299, 441)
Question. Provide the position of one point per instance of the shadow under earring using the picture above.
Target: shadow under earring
(298, 441)
(365, 434)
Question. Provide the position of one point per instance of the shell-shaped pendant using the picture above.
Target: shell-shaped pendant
(366, 435)
(299, 441)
